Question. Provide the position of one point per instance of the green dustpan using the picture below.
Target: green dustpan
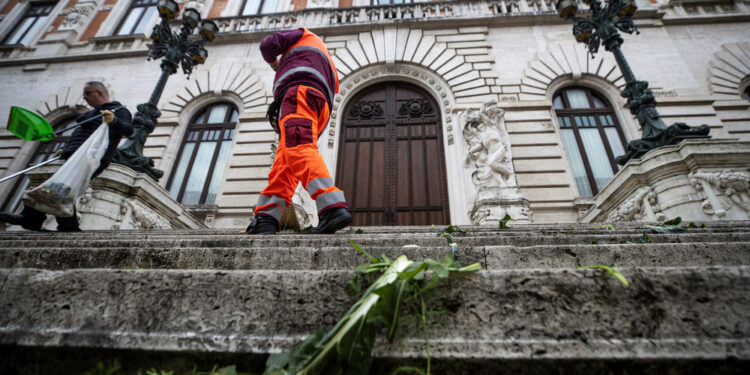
(29, 125)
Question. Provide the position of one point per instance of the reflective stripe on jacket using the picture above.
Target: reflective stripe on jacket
(305, 60)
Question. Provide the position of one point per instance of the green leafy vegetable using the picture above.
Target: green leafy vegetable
(671, 226)
(349, 343)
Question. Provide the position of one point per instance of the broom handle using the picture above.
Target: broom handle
(28, 169)
(83, 122)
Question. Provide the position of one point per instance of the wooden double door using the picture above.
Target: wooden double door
(391, 163)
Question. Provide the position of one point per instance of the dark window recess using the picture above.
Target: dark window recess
(45, 151)
(391, 163)
(200, 164)
(30, 25)
(591, 136)
(746, 93)
(255, 7)
(139, 15)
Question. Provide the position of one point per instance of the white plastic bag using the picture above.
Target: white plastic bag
(58, 195)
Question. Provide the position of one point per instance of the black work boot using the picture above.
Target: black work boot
(11, 219)
(262, 224)
(29, 218)
(332, 220)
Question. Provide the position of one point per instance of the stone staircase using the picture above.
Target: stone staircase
(180, 298)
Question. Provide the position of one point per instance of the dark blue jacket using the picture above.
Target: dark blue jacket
(122, 126)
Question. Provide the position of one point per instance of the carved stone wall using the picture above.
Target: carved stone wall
(698, 180)
(120, 198)
(726, 192)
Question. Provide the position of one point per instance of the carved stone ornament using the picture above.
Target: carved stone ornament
(493, 203)
(141, 217)
(642, 206)
(76, 15)
(723, 190)
(305, 207)
(319, 4)
(488, 146)
(366, 109)
(416, 108)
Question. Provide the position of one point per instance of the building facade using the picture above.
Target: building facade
(450, 112)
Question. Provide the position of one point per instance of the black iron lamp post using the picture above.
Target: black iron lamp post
(601, 27)
(183, 48)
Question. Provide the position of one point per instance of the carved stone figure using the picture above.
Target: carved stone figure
(489, 154)
(76, 15)
(489, 146)
(723, 190)
(642, 206)
(141, 217)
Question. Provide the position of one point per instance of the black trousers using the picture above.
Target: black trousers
(33, 220)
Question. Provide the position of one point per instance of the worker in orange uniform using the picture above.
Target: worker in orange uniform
(304, 86)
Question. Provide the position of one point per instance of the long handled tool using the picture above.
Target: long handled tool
(6, 178)
(31, 126)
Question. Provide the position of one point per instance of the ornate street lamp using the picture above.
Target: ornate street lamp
(601, 27)
(178, 49)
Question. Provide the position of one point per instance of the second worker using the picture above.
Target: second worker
(304, 87)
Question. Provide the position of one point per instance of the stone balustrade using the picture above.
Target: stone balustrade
(326, 17)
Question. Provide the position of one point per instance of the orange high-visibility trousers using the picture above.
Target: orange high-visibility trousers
(304, 114)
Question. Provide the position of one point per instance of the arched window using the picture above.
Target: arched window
(746, 93)
(203, 155)
(591, 136)
(255, 7)
(44, 151)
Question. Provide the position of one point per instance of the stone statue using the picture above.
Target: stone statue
(489, 146)
(489, 154)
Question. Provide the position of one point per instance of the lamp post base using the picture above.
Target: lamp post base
(130, 153)
(671, 135)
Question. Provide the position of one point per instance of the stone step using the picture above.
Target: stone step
(346, 258)
(106, 240)
(523, 229)
(669, 314)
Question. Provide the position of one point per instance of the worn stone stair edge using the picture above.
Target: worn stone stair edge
(583, 304)
(402, 232)
(591, 349)
(366, 243)
(328, 258)
(710, 226)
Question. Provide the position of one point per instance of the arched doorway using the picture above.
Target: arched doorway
(391, 163)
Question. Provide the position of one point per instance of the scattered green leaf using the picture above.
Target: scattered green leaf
(646, 239)
(607, 227)
(610, 271)
(403, 283)
(105, 369)
(504, 222)
(668, 227)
